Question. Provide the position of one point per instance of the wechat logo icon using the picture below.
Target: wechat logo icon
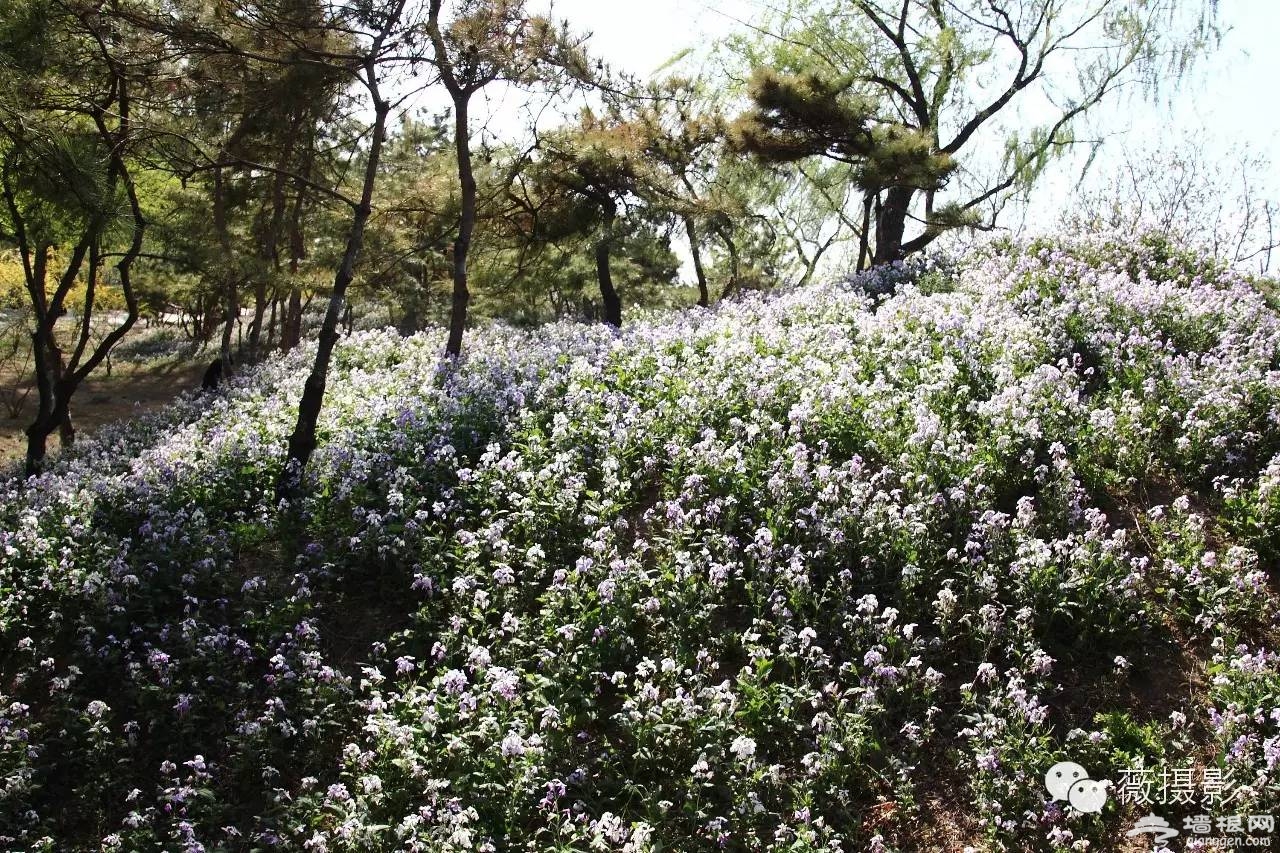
(1070, 782)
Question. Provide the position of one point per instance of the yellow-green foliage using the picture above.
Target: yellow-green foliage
(13, 288)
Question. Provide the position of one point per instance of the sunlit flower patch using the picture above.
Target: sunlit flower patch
(827, 569)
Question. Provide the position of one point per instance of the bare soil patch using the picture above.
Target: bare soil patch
(130, 390)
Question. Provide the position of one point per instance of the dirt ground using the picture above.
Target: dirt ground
(103, 399)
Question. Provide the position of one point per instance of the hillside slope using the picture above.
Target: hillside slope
(817, 571)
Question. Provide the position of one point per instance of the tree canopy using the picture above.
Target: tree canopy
(242, 163)
(907, 94)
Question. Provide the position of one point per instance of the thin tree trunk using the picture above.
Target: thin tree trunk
(40, 428)
(461, 96)
(864, 241)
(704, 297)
(271, 323)
(302, 442)
(891, 225)
(209, 317)
(231, 294)
(272, 236)
(62, 413)
(291, 324)
(66, 430)
(50, 375)
(259, 314)
(466, 226)
(608, 294)
(291, 327)
(732, 247)
(229, 327)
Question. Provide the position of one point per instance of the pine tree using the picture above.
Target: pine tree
(904, 91)
(797, 116)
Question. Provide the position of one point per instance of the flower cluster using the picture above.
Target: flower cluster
(840, 567)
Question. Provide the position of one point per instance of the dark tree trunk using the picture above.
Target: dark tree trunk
(864, 241)
(43, 425)
(302, 442)
(891, 225)
(271, 322)
(272, 235)
(231, 295)
(291, 325)
(704, 297)
(53, 416)
(259, 314)
(52, 383)
(229, 326)
(66, 430)
(466, 226)
(608, 294)
(731, 246)
(604, 273)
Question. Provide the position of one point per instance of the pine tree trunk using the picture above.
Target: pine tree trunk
(229, 326)
(302, 442)
(891, 225)
(466, 226)
(53, 412)
(63, 390)
(231, 305)
(62, 413)
(259, 313)
(67, 430)
(43, 425)
(864, 240)
(52, 388)
(272, 236)
(734, 266)
(604, 273)
(53, 415)
(36, 447)
(271, 322)
(609, 295)
(704, 298)
(291, 323)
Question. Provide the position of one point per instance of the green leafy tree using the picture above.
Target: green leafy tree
(595, 179)
(902, 93)
(411, 233)
(72, 87)
(364, 44)
(682, 133)
(259, 114)
(488, 42)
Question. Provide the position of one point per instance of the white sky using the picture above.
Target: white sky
(1232, 98)
(640, 37)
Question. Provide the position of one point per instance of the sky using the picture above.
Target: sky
(1228, 101)
(1231, 98)
(1232, 94)
(640, 37)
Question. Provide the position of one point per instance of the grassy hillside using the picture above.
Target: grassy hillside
(817, 571)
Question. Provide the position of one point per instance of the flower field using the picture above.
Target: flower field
(820, 570)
